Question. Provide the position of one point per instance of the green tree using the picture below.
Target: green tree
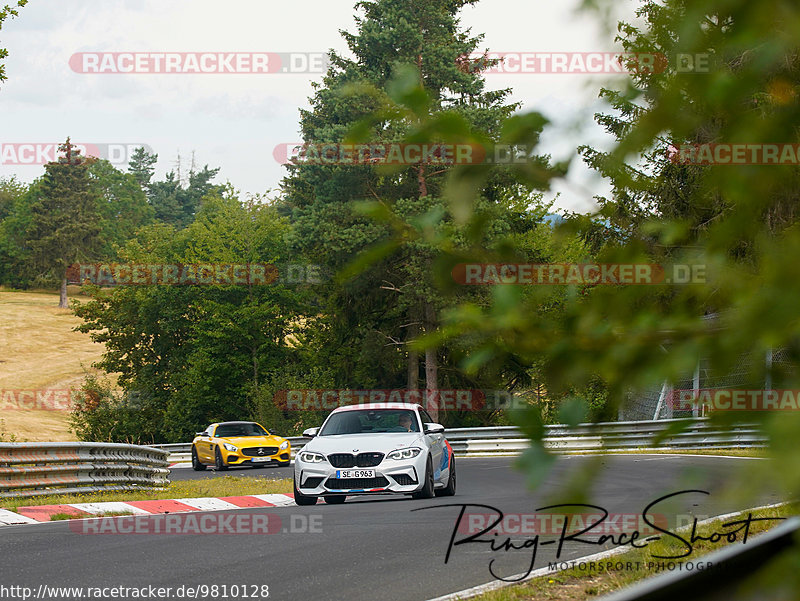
(15, 217)
(11, 191)
(123, 206)
(176, 204)
(164, 197)
(142, 166)
(379, 312)
(8, 12)
(65, 218)
(195, 354)
(736, 221)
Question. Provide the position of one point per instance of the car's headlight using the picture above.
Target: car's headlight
(230, 447)
(284, 445)
(309, 457)
(404, 453)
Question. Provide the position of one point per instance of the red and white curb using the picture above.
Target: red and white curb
(43, 513)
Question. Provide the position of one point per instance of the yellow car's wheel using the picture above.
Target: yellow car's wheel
(196, 465)
(219, 464)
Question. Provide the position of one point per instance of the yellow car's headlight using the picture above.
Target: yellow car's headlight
(284, 445)
(230, 447)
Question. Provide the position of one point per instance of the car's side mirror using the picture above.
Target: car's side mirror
(431, 428)
(311, 432)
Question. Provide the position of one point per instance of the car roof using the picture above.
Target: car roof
(378, 406)
(233, 423)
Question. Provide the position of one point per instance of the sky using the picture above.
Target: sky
(235, 120)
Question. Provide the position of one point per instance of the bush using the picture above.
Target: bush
(101, 414)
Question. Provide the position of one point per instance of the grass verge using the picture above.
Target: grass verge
(43, 357)
(227, 486)
(582, 585)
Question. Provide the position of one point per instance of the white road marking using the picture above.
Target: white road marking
(277, 500)
(208, 503)
(108, 507)
(7, 518)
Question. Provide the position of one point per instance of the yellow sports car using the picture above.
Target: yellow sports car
(238, 443)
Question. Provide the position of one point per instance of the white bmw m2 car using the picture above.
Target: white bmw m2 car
(375, 449)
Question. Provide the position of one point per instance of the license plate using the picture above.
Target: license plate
(355, 473)
(261, 459)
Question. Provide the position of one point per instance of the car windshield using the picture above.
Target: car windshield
(228, 430)
(370, 421)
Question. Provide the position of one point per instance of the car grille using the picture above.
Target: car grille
(311, 482)
(360, 460)
(348, 483)
(254, 451)
(342, 460)
(404, 479)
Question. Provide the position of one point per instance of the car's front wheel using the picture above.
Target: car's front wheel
(426, 492)
(302, 499)
(196, 465)
(450, 489)
(219, 464)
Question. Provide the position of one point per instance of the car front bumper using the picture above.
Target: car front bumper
(403, 477)
(282, 457)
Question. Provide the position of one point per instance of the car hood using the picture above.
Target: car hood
(363, 443)
(254, 441)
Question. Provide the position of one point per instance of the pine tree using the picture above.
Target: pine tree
(389, 304)
(142, 166)
(66, 217)
(177, 204)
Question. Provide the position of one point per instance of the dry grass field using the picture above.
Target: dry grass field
(39, 353)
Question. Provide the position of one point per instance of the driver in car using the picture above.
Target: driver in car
(405, 422)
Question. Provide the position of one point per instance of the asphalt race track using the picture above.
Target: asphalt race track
(368, 549)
